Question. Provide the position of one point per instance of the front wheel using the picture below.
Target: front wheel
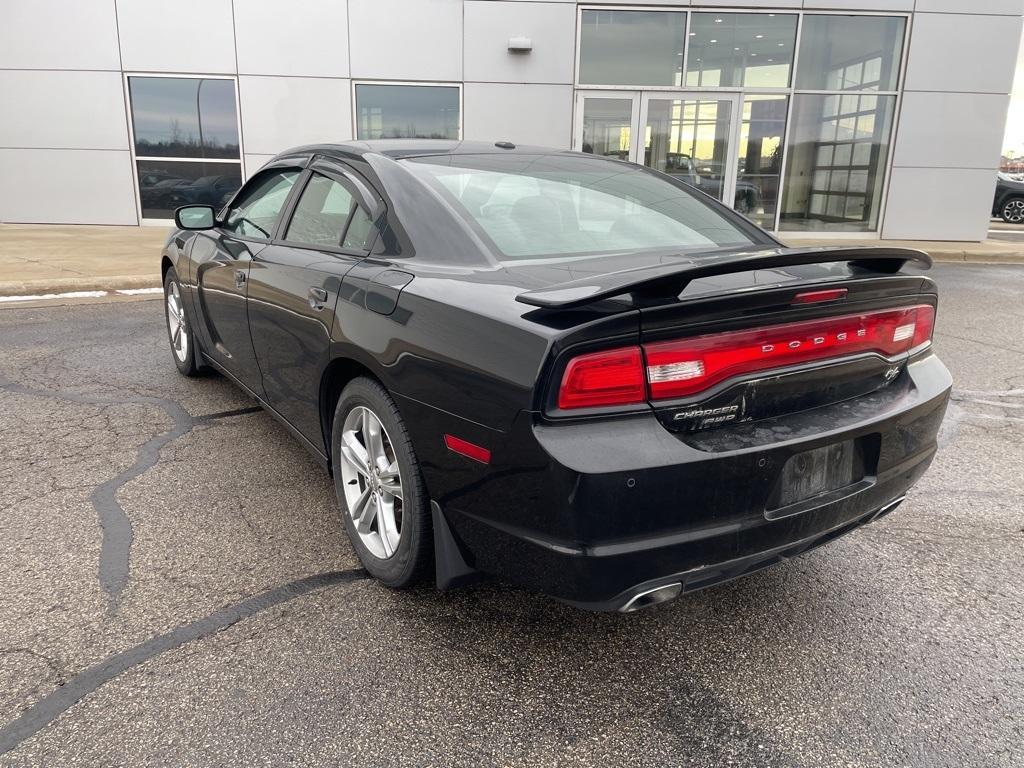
(179, 332)
(1013, 211)
(379, 485)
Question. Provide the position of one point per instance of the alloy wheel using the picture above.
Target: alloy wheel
(372, 482)
(1013, 211)
(176, 325)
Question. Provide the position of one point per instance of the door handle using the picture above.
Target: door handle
(317, 297)
(240, 278)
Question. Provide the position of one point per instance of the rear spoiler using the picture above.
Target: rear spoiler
(667, 280)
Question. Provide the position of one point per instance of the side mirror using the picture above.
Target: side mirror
(195, 217)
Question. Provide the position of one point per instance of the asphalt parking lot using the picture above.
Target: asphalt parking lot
(176, 589)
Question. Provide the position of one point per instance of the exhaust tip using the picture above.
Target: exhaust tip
(887, 508)
(652, 597)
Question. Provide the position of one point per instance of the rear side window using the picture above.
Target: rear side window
(328, 215)
(255, 212)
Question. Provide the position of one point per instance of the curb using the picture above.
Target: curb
(69, 284)
(125, 282)
(983, 257)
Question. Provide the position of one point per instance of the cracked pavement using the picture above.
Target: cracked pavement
(176, 588)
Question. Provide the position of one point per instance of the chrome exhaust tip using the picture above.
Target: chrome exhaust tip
(887, 508)
(651, 597)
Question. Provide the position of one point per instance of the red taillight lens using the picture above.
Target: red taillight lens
(681, 368)
(615, 377)
(924, 325)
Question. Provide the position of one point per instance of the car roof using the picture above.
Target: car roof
(400, 148)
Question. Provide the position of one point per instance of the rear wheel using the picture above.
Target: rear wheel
(1013, 211)
(179, 332)
(380, 487)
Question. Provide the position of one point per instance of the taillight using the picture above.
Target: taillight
(686, 367)
(614, 377)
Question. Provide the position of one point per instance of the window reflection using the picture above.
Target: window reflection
(407, 112)
(843, 53)
(754, 50)
(632, 47)
(165, 185)
(607, 126)
(760, 158)
(184, 117)
(690, 140)
(836, 162)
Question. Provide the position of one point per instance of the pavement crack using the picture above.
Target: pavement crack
(52, 665)
(116, 526)
(74, 689)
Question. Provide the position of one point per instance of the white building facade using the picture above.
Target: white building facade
(844, 118)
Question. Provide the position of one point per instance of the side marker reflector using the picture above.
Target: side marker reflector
(467, 449)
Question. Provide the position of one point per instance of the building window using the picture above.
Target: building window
(839, 141)
(759, 171)
(185, 141)
(843, 53)
(401, 111)
(737, 50)
(632, 47)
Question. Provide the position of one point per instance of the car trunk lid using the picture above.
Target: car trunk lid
(809, 327)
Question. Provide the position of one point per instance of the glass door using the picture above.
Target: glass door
(692, 136)
(607, 122)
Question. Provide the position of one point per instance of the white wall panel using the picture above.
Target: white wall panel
(751, 3)
(939, 204)
(62, 109)
(183, 36)
(523, 114)
(551, 28)
(1009, 7)
(254, 162)
(951, 130)
(308, 37)
(57, 34)
(283, 112)
(960, 52)
(66, 186)
(859, 5)
(401, 40)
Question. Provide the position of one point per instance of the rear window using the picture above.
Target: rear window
(557, 206)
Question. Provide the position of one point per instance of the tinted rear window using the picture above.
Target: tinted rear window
(557, 206)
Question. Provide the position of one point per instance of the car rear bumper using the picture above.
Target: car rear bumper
(596, 513)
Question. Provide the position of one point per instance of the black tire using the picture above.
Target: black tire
(413, 559)
(185, 363)
(1012, 211)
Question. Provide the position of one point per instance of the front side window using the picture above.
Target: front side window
(539, 206)
(385, 111)
(327, 215)
(185, 142)
(255, 212)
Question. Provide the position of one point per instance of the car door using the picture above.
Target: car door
(294, 285)
(221, 259)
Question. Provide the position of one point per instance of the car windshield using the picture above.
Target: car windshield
(559, 206)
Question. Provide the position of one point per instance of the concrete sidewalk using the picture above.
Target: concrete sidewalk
(38, 259)
(42, 259)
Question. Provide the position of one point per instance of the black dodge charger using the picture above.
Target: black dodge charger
(573, 373)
